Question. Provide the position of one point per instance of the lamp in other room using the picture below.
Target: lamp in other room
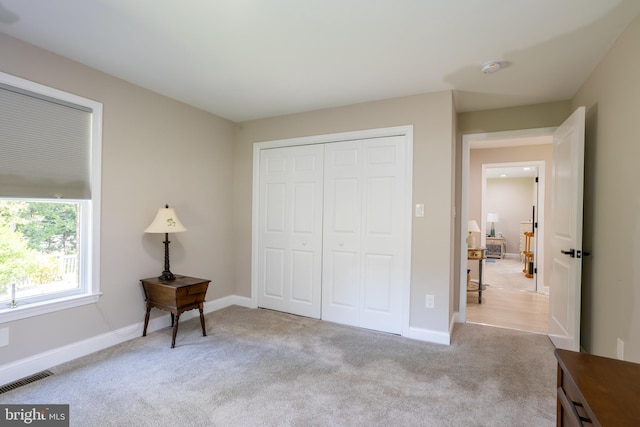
(493, 218)
(473, 228)
(166, 221)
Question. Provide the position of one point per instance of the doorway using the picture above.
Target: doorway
(500, 193)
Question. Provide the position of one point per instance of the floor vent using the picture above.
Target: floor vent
(28, 380)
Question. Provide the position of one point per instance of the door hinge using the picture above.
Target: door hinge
(536, 179)
(535, 225)
(535, 270)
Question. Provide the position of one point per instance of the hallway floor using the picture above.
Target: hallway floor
(508, 300)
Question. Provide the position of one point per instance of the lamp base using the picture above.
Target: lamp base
(167, 275)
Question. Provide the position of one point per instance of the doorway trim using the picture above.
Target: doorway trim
(467, 139)
(403, 131)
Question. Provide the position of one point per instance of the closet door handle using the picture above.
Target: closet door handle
(570, 252)
(341, 244)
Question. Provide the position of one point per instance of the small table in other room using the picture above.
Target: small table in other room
(175, 296)
(479, 254)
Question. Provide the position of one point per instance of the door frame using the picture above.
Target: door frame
(467, 139)
(403, 131)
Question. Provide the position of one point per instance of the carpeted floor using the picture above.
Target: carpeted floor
(264, 368)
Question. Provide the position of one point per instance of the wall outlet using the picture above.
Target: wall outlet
(4, 337)
(430, 301)
(620, 349)
(419, 210)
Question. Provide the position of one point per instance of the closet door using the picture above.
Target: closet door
(290, 234)
(363, 233)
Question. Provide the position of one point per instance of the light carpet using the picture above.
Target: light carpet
(263, 368)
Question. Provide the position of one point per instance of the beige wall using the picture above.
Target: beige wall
(611, 276)
(516, 118)
(433, 120)
(155, 151)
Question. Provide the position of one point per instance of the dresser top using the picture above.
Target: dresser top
(610, 387)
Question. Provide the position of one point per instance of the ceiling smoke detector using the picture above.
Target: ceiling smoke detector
(491, 67)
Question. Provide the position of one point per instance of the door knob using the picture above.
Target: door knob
(341, 244)
(570, 252)
(304, 243)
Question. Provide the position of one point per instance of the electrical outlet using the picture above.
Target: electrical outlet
(420, 210)
(430, 301)
(620, 349)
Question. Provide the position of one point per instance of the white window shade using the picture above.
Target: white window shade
(45, 146)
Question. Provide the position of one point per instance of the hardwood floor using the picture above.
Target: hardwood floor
(508, 305)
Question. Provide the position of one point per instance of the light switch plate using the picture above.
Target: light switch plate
(420, 210)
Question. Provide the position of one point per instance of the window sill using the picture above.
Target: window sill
(30, 310)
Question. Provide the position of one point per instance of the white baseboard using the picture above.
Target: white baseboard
(19, 369)
(429, 335)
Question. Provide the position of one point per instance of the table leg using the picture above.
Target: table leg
(146, 320)
(480, 281)
(172, 320)
(201, 308)
(175, 330)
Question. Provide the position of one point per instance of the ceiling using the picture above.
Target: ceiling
(249, 59)
(512, 172)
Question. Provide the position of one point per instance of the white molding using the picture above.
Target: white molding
(429, 335)
(19, 369)
(46, 306)
(405, 131)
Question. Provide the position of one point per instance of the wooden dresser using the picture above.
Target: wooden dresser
(597, 391)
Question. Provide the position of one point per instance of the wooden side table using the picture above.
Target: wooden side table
(495, 247)
(479, 254)
(175, 296)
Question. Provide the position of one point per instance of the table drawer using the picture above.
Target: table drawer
(164, 295)
(192, 294)
(573, 410)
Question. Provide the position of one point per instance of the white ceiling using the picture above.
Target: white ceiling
(248, 59)
(512, 172)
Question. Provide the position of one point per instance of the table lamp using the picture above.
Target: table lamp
(166, 221)
(493, 218)
(473, 228)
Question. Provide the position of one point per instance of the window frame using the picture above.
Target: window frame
(89, 258)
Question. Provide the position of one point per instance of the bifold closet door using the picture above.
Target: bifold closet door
(290, 235)
(363, 233)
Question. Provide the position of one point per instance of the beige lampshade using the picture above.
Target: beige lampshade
(473, 227)
(166, 221)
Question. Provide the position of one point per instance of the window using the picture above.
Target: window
(50, 149)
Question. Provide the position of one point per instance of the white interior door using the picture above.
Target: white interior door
(566, 242)
(290, 229)
(364, 225)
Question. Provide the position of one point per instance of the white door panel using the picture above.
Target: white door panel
(363, 216)
(290, 235)
(274, 272)
(566, 244)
